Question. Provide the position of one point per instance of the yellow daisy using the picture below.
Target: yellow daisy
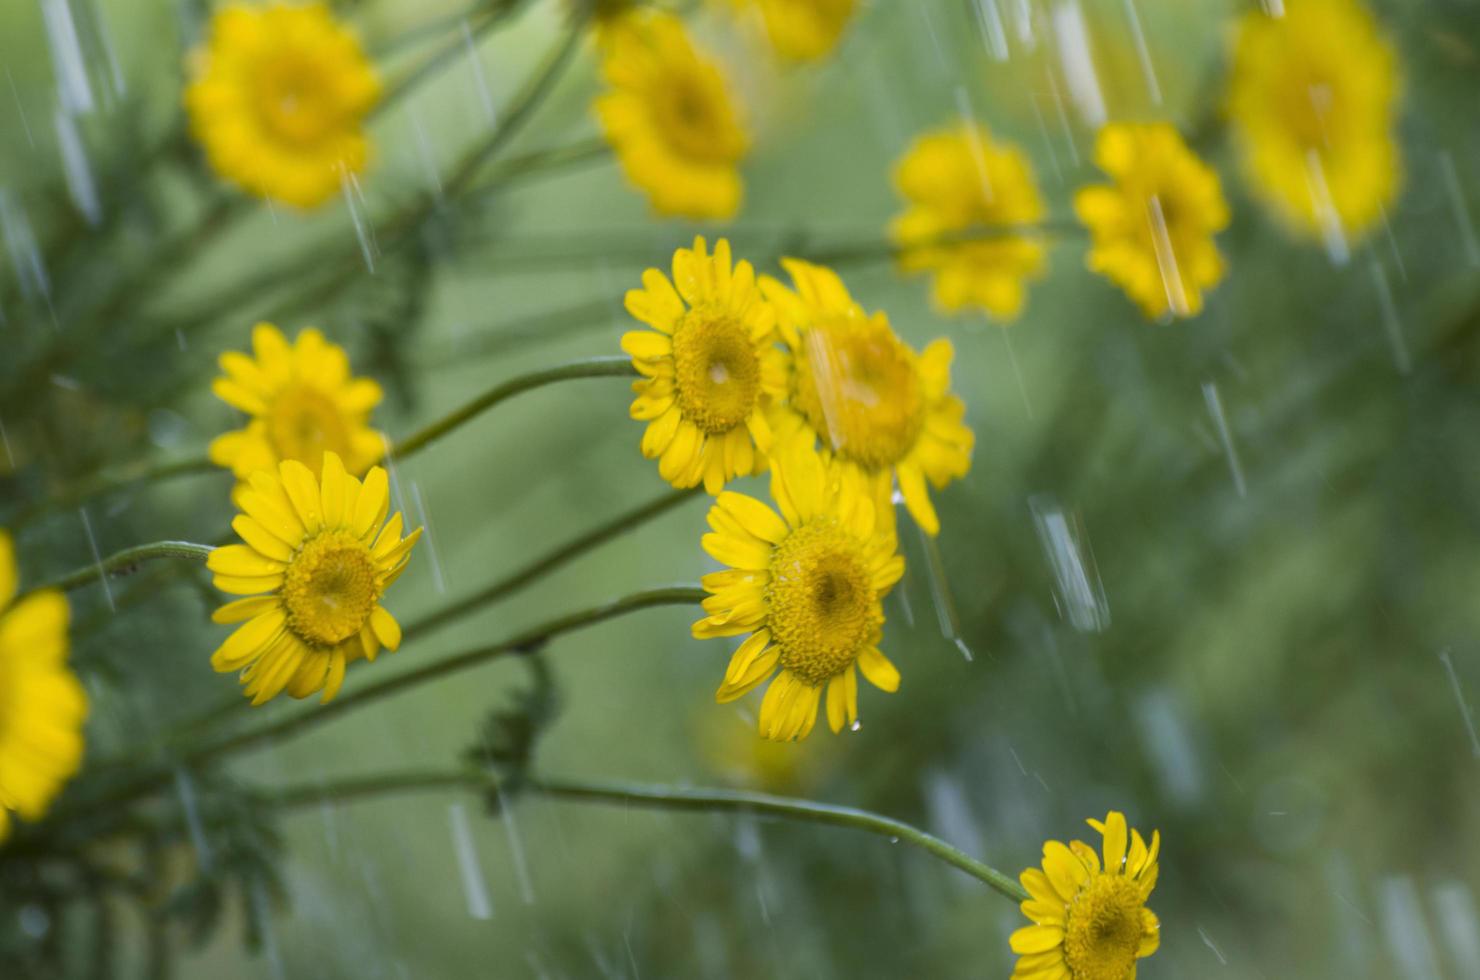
(279, 98)
(1313, 97)
(1153, 228)
(803, 30)
(1092, 920)
(711, 367)
(807, 586)
(670, 118)
(302, 402)
(959, 182)
(879, 409)
(317, 551)
(42, 705)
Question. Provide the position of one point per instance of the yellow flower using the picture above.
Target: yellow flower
(879, 409)
(958, 182)
(42, 706)
(1153, 228)
(807, 586)
(318, 552)
(670, 118)
(302, 401)
(279, 98)
(803, 30)
(711, 368)
(1313, 97)
(1092, 921)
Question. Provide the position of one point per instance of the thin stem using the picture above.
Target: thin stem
(111, 481)
(625, 794)
(541, 162)
(617, 366)
(477, 19)
(127, 560)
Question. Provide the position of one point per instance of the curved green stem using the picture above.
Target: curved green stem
(111, 481)
(127, 560)
(662, 798)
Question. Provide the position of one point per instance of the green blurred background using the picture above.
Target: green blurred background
(1220, 574)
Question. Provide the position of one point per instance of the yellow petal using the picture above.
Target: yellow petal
(879, 671)
(387, 630)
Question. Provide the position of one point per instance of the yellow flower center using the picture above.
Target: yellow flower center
(717, 372)
(295, 99)
(822, 608)
(1104, 929)
(858, 388)
(303, 422)
(695, 123)
(330, 588)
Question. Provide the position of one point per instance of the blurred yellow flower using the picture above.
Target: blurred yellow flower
(670, 118)
(317, 551)
(879, 409)
(43, 706)
(711, 368)
(1313, 96)
(1091, 920)
(1153, 228)
(807, 586)
(961, 184)
(278, 100)
(803, 30)
(302, 401)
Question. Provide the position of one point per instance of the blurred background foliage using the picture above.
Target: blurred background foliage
(1219, 574)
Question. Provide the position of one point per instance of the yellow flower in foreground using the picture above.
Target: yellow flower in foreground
(279, 98)
(1092, 920)
(807, 586)
(1313, 97)
(711, 368)
(958, 182)
(42, 706)
(302, 401)
(318, 552)
(1153, 228)
(670, 118)
(876, 407)
(804, 30)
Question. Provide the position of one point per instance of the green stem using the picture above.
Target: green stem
(127, 560)
(479, 17)
(617, 366)
(541, 162)
(109, 482)
(626, 794)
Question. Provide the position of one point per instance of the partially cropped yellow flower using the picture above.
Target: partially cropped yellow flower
(877, 408)
(279, 98)
(711, 368)
(1153, 227)
(807, 586)
(321, 553)
(803, 30)
(670, 118)
(961, 184)
(1092, 920)
(302, 402)
(42, 705)
(1313, 98)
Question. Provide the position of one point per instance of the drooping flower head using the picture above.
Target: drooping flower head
(302, 402)
(670, 118)
(279, 98)
(1153, 227)
(318, 555)
(807, 585)
(1313, 97)
(42, 705)
(803, 30)
(873, 405)
(711, 368)
(1091, 918)
(960, 182)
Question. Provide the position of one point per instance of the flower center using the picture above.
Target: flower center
(330, 588)
(1104, 929)
(294, 100)
(717, 372)
(823, 611)
(692, 121)
(302, 422)
(857, 386)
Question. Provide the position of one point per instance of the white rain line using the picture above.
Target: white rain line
(66, 52)
(994, 32)
(92, 542)
(475, 888)
(480, 80)
(1143, 52)
(1461, 209)
(1225, 436)
(1390, 322)
(1459, 696)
